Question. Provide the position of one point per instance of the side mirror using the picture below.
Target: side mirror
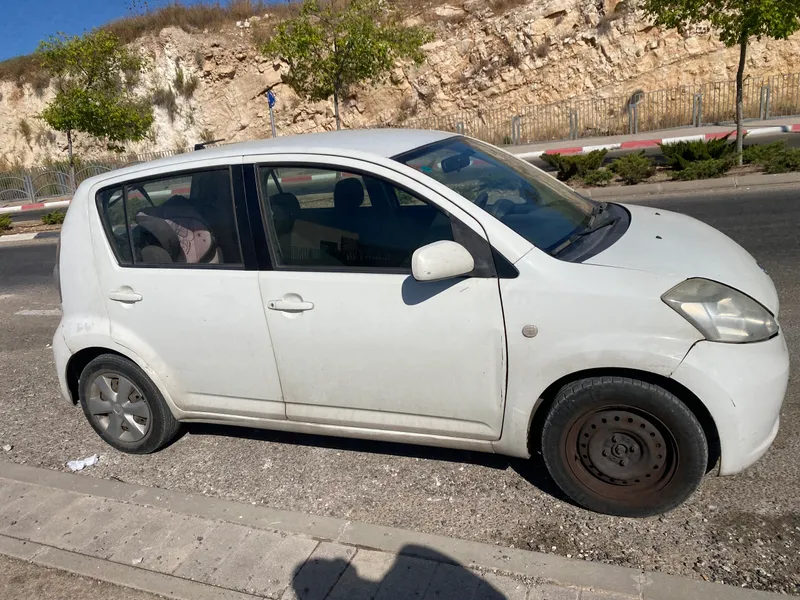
(441, 260)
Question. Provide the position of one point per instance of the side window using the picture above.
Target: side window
(332, 218)
(112, 209)
(183, 219)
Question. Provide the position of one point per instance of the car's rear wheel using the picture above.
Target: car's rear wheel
(623, 447)
(124, 407)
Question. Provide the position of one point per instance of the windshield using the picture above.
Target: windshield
(544, 211)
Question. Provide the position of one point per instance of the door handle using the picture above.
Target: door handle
(126, 295)
(290, 305)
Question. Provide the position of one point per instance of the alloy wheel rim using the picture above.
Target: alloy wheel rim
(118, 407)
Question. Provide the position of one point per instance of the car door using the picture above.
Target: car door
(358, 341)
(181, 289)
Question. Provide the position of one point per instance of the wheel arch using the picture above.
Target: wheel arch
(680, 391)
(77, 363)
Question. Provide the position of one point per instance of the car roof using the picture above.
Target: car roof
(378, 142)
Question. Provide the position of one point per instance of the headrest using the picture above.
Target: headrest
(348, 194)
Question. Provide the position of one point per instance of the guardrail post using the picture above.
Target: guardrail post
(30, 191)
(573, 124)
(516, 130)
(763, 108)
(697, 110)
(633, 118)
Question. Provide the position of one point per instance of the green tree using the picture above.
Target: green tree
(736, 21)
(332, 45)
(94, 74)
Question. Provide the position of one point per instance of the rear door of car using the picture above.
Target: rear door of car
(191, 311)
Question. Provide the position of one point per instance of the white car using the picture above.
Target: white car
(419, 287)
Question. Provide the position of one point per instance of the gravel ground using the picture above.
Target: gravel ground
(742, 530)
(20, 580)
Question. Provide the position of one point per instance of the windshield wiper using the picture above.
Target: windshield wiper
(588, 231)
(598, 210)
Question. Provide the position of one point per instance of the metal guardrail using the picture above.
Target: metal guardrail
(685, 106)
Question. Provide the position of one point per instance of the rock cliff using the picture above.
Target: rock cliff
(531, 53)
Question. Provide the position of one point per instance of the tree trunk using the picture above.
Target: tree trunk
(336, 108)
(71, 161)
(740, 95)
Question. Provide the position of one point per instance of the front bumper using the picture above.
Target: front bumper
(743, 387)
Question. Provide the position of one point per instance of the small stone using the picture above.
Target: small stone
(8, 448)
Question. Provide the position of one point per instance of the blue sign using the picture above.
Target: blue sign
(270, 98)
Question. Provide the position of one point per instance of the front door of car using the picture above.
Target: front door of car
(358, 341)
(178, 295)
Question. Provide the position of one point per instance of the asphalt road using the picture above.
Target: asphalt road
(742, 530)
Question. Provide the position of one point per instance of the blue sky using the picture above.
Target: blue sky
(24, 22)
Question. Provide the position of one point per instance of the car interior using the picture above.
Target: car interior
(357, 221)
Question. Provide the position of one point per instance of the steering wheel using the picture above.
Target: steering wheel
(482, 199)
(502, 207)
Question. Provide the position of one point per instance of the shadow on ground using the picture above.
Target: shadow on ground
(417, 572)
(532, 470)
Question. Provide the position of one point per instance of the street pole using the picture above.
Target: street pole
(271, 101)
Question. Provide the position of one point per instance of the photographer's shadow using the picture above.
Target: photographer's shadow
(417, 572)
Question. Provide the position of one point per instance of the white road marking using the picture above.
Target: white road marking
(52, 312)
(6, 296)
(18, 237)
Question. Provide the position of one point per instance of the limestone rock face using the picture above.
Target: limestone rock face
(537, 53)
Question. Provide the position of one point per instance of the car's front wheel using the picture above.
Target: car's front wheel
(623, 447)
(124, 407)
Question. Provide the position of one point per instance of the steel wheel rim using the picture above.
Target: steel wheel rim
(621, 453)
(118, 407)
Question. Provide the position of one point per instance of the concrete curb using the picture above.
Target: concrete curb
(26, 237)
(545, 567)
(670, 187)
(34, 207)
(642, 144)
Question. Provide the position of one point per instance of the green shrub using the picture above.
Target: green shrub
(681, 154)
(598, 178)
(165, 98)
(633, 168)
(575, 165)
(704, 169)
(5, 223)
(784, 162)
(763, 153)
(53, 218)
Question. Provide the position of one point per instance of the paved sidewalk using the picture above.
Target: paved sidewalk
(194, 547)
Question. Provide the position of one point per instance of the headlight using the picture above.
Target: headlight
(720, 313)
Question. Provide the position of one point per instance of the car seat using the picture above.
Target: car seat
(179, 233)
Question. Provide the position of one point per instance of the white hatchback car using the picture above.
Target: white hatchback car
(421, 287)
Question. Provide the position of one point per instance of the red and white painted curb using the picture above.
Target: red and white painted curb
(34, 206)
(26, 237)
(642, 144)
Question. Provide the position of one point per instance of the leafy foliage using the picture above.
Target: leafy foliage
(165, 98)
(680, 155)
(331, 46)
(92, 96)
(760, 154)
(53, 218)
(185, 86)
(633, 168)
(704, 169)
(575, 165)
(598, 178)
(731, 18)
(5, 223)
(784, 162)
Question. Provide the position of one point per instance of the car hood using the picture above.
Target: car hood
(664, 242)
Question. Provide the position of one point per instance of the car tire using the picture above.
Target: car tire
(623, 447)
(124, 406)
